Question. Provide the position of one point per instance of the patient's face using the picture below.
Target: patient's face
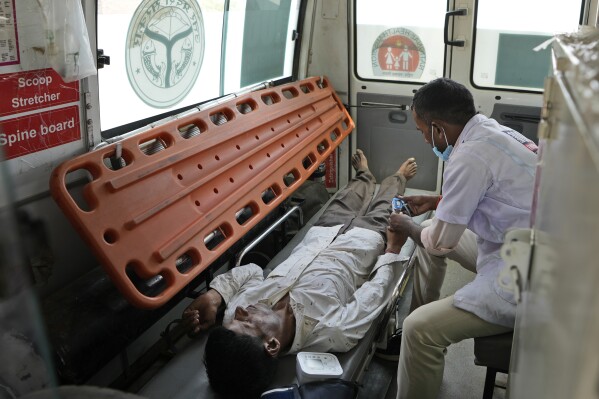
(258, 320)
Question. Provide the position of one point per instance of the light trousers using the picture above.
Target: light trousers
(435, 324)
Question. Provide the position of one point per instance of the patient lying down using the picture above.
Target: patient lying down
(322, 298)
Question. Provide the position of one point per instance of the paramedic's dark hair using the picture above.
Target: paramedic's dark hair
(446, 100)
(237, 365)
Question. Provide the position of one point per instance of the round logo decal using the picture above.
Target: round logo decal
(165, 49)
(398, 53)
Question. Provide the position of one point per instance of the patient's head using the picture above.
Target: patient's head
(238, 365)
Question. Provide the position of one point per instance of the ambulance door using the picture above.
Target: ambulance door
(396, 47)
(497, 49)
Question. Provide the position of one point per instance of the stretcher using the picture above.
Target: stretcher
(160, 206)
(184, 376)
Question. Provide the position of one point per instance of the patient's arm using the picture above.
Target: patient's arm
(203, 311)
(404, 224)
(395, 240)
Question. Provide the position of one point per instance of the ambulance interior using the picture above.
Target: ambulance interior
(205, 134)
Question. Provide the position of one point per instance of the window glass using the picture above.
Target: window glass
(508, 36)
(166, 55)
(160, 58)
(400, 40)
(265, 28)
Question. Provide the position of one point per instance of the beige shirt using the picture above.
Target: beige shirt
(337, 285)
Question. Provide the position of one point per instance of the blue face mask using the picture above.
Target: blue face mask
(445, 154)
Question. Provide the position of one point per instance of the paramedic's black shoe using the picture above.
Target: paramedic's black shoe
(391, 353)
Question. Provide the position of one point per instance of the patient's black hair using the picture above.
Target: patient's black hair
(446, 100)
(237, 365)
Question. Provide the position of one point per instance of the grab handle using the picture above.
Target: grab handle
(458, 43)
(257, 240)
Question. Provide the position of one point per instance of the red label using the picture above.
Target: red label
(26, 91)
(331, 175)
(33, 133)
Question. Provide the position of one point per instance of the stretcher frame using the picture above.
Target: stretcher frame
(160, 206)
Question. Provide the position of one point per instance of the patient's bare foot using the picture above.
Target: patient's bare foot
(359, 161)
(408, 168)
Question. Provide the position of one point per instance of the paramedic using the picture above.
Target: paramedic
(487, 189)
(323, 297)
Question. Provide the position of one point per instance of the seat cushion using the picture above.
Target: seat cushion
(494, 351)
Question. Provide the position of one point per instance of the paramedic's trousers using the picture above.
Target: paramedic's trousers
(435, 324)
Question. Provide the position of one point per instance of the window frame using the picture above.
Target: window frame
(473, 53)
(141, 123)
(386, 81)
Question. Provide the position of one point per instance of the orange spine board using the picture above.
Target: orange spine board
(179, 184)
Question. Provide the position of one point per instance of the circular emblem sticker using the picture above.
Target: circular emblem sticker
(399, 53)
(165, 49)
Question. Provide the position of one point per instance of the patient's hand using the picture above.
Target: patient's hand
(201, 314)
(396, 240)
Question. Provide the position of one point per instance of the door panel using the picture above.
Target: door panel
(521, 118)
(388, 136)
(398, 46)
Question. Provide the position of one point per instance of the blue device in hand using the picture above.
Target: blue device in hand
(398, 205)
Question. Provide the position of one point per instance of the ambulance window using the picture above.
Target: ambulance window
(169, 56)
(400, 40)
(266, 29)
(511, 49)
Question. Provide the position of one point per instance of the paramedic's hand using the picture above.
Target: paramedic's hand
(421, 203)
(400, 223)
(201, 314)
